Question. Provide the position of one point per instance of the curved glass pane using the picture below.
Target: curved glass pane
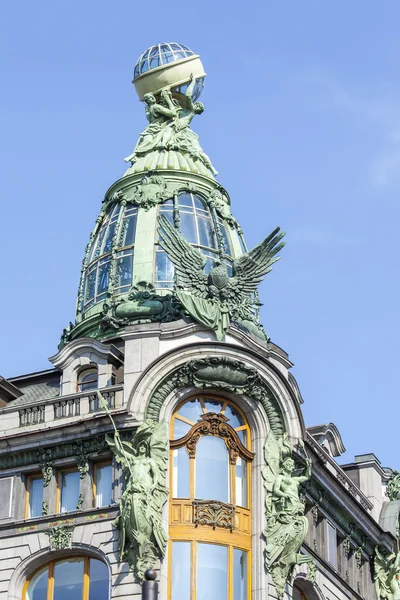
(235, 419)
(239, 574)
(188, 228)
(37, 588)
(181, 476)
(191, 410)
(180, 428)
(103, 485)
(164, 272)
(212, 572)
(98, 588)
(68, 579)
(206, 232)
(181, 571)
(213, 405)
(212, 469)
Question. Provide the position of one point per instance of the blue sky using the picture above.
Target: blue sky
(302, 122)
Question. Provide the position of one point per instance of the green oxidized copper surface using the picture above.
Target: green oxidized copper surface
(215, 299)
(286, 524)
(387, 575)
(143, 539)
(393, 486)
(168, 142)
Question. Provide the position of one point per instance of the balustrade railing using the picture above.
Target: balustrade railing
(69, 406)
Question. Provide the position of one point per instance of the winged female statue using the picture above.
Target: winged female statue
(144, 461)
(215, 298)
(387, 576)
(286, 524)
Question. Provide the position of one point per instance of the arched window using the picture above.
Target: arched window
(68, 579)
(210, 504)
(117, 232)
(88, 380)
(197, 227)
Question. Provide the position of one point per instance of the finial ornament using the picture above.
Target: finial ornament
(215, 299)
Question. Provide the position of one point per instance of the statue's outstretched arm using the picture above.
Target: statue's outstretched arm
(189, 91)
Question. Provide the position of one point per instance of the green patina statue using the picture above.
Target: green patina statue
(393, 486)
(387, 576)
(286, 524)
(142, 539)
(169, 129)
(216, 298)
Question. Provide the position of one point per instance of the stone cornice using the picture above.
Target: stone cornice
(108, 352)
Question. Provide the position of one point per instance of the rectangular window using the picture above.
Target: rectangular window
(102, 484)
(34, 496)
(68, 490)
(331, 544)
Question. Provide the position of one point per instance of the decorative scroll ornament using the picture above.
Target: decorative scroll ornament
(46, 466)
(393, 486)
(387, 575)
(286, 524)
(142, 303)
(215, 299)
(143, 539)
(151, 190)
(60, 538)
(214, 513)
(219, 373)
(214, 424)
(82, 458)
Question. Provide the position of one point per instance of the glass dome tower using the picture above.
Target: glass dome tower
(128, 272)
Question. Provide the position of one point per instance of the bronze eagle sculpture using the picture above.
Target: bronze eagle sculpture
(214, 298)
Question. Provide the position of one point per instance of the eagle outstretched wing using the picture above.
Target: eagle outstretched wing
(188, 261)
(250, 268)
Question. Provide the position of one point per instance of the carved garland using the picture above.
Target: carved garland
(223, 374)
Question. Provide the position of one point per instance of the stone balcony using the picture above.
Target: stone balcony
(58, 410)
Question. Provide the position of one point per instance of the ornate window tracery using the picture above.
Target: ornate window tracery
(210, 514)
(67, 579)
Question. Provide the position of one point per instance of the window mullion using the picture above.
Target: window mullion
(50, 581)
(193, 559)
(230, 572)
(85, 588)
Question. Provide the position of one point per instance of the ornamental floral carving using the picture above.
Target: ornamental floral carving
(151, 190)
(214, 513)
(45, 460)
(60, 537)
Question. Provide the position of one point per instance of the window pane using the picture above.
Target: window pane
(68, 580)
(212, 469)
(90, 286)
(191, 410)
(241, 482)
(186, 200)
(213, 406)
(35, 496)
(98, 589)
(239, 575)
(103, 485)
(180, 428)
(37, 588)
(102, 283)
(188, 228)
(130, 231)
(164, 269)
(235, 420)
(69, 490)
(206, 233)
(181, 474)
(212, 572)
(181, 571)
(108, 240)
(124, 269)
